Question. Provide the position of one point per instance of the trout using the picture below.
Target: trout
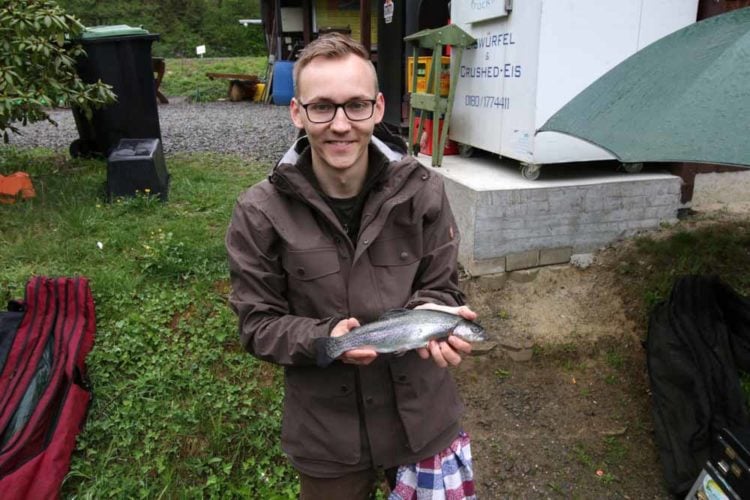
(399, 331)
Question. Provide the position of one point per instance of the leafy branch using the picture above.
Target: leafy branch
(38, 64)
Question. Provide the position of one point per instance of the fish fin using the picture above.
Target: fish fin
(394, 313)
(400, 353)
(323, 359)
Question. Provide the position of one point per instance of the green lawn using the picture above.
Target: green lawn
(179, 409)
(187, 77)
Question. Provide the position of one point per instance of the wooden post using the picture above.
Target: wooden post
(307, 21)
(364, 25)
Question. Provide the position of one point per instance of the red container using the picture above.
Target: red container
(425, 142)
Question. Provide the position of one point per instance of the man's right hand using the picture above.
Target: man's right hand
(353, 356)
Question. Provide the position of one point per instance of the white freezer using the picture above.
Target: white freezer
(532, 59)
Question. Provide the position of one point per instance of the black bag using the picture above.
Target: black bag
(697, 341)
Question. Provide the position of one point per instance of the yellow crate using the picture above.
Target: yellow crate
(423, 72)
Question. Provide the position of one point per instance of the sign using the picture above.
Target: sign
(388, 11)
(471, 11)
(200, 50)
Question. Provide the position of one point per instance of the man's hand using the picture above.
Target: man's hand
(449, 351)
(353, 356)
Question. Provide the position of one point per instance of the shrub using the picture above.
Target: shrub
(37, 64)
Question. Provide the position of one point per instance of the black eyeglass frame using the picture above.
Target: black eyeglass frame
(336, 107)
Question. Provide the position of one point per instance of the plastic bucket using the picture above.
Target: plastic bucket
(259, 89)
(282, 88)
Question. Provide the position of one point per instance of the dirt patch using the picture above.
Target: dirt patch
(574, 421)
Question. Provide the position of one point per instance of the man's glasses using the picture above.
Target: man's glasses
(356, 110)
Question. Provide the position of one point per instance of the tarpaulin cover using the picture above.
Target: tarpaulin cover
(43, 396)
(698, 341)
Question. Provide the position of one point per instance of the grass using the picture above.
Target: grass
(721, 248)
(187, 77)
(179, 409)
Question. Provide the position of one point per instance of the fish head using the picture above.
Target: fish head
(470, 331)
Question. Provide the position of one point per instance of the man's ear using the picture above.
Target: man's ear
(379, 108)
(295, 110)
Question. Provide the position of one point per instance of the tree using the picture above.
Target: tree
(37, 64)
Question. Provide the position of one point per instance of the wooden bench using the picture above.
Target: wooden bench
(241, 86)
(159, 66)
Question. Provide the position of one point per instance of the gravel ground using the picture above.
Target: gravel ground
(257, 132)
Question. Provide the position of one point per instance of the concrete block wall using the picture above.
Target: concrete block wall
(505, 228)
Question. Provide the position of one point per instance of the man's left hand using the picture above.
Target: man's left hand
(449, 351)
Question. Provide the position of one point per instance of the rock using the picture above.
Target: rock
(582, 260)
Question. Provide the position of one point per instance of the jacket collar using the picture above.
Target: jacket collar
(399, 181)
(294, 153)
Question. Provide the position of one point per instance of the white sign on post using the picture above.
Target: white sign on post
(200, 50)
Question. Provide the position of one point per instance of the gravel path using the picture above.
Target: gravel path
(255, 131)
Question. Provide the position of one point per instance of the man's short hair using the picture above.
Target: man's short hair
(330, 46)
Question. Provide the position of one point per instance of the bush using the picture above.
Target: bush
(37, 64)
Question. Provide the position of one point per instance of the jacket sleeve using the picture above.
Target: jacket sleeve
(437, 276)
(266, 327)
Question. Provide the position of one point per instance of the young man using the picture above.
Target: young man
(345, 229)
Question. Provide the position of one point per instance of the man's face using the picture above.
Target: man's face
(341, 143)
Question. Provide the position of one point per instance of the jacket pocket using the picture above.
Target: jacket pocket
(396, 252)
(321, 419)
(395, 262)
(312, 274)
(308, 265)
(426, 398)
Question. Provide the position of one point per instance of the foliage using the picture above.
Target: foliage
(182, 24)
(187, 77)
(37, 64)
(179, 409)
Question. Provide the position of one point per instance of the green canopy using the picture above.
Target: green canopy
(685, 97)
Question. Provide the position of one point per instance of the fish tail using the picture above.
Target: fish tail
(324, 347)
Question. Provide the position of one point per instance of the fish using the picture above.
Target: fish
(398, 331)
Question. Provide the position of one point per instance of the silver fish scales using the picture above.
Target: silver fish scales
(399, 331)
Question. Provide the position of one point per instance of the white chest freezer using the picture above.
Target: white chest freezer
(533, 56)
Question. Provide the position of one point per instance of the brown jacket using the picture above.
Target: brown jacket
(295, 274)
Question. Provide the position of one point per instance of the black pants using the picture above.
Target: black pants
(355, 486)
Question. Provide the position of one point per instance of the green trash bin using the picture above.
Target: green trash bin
(120, 56)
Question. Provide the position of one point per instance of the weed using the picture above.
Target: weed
(556, 488)
(614, 359)
(582, 455)
(502, 374)
(615, 450)
(608, 478)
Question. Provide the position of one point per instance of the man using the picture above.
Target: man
(344, 229)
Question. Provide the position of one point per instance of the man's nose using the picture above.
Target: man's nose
(340, 120)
